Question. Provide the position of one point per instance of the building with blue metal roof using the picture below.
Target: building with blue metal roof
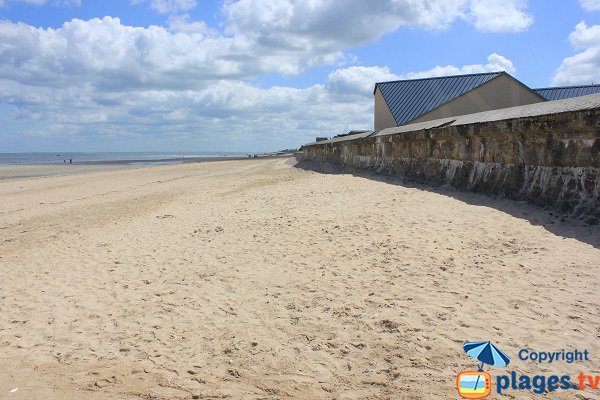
(418, 100)
(567, 92)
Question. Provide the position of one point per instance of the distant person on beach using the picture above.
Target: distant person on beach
(70, 161)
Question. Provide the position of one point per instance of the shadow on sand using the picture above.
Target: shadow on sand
(551, 220)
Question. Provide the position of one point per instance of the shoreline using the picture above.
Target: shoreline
(24, 171)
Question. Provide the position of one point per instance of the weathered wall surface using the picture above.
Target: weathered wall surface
(549, 160)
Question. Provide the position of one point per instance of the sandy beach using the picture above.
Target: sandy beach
(258, 280)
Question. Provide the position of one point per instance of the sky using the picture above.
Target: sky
(257, 75)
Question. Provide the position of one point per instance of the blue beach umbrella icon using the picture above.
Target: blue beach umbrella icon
(486, 353)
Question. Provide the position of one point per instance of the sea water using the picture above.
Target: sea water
(111, 157)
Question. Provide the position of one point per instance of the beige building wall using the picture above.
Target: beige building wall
(383, 116)
(500, 92)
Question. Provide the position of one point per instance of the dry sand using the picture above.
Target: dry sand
(257, 280)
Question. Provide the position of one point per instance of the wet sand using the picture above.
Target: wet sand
(28, 171)
(8, 171)
(257, 280)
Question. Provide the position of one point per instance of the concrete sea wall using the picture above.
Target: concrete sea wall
(550, 160)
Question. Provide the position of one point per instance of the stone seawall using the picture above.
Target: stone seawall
(549, 160)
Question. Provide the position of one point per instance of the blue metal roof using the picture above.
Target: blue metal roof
(409, 99)
(560, 93)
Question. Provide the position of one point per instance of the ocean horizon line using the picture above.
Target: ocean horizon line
(42, 158)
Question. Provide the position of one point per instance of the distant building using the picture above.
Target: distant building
(411, 101)
(320, 138)
(350, 133)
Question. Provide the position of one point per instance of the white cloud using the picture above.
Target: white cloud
(495, 63)
(263, 36)
(183, 23)
(500, 15)
(225, 112)
(590, 5)
(358, 80)
(584, 37)
(169, 6)
(353, 21)
(583, 67)
(321, 30)
(105, 53)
